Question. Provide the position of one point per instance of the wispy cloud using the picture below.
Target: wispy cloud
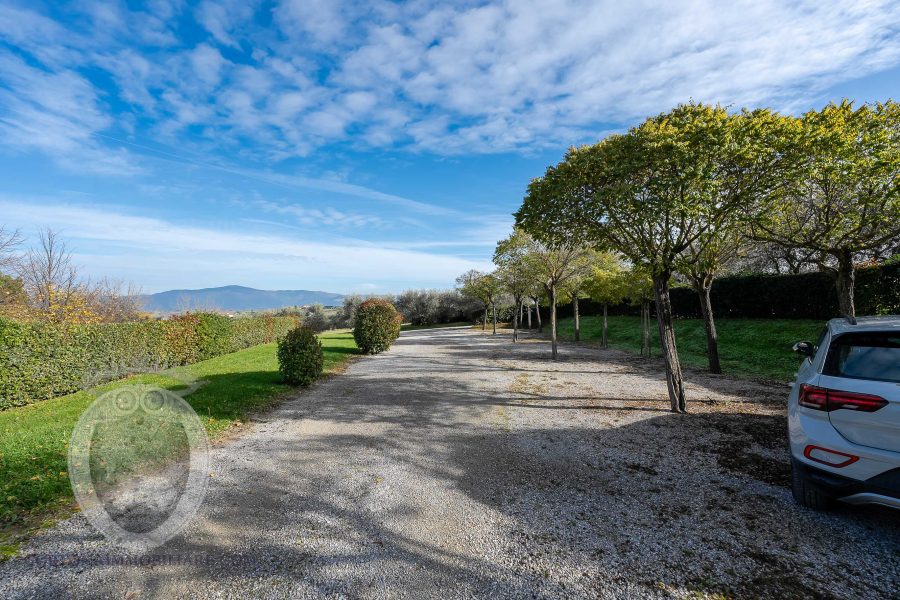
(56, 113)
(445, 78)
(161, 253)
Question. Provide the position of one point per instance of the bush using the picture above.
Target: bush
(376, 327)
(300, 356)
(42, 360)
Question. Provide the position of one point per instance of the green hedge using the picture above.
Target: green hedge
(39, 360)
(803, 296)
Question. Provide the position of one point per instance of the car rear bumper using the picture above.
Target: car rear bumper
(883, 489)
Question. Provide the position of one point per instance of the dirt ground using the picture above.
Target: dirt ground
(460, 465)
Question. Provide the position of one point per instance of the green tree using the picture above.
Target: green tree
(471, 285)
(607, 286)
(574, 288)
(843, 203)
(700, 264)
(515, 271)
(555, 264)
(484, 287)
(654, 192)
(492, 288)
(637, 286)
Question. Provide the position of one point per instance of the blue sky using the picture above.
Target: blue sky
(371, 146)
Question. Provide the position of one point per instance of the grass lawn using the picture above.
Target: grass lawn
(755, 347)
(33, 439)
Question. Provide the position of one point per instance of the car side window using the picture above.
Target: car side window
(822, 336)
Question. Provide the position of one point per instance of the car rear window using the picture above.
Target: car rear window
(874, 356)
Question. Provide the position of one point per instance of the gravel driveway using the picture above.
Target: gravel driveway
(459, 465)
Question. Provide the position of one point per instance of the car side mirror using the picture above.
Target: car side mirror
(806, 349)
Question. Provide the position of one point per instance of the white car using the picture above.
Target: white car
(844, 415)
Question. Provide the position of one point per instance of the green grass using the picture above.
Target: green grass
(748, 347)
(34, 439)
(415, 327)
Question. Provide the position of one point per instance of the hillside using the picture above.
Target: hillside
(234, 298)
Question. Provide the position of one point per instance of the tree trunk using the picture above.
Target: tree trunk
(712, 338)
(846, 281)
(605, 335)
(645, 329)
(494, 317)
(521, 311)
(674, 379)
(484, 319)
(553, 321)
(529, 316)
(577, 318)
(537, 313)
(517, 315)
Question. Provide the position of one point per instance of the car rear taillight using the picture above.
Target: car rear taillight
(812, 396)
(819, 398)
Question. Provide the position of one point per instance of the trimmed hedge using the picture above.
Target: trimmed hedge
(377, 325)
(803, 296)
(300, 357)
(40, 360)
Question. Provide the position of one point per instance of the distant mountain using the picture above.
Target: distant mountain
(235, 298)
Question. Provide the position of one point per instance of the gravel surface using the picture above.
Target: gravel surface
(459, 465)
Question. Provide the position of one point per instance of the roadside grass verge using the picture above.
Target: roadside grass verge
(34, 483)
(747, 347)
(408, 327)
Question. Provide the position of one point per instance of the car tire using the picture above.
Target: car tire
(805, 493)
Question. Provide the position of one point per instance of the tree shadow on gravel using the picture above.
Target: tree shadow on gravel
(612, 501)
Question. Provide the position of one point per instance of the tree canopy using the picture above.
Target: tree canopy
(842, 204)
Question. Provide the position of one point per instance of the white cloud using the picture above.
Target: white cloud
(451, 78)
(320, 19)
(224, 20)
(56, 113)
(207, 63)
(164, 254)
(326, 216)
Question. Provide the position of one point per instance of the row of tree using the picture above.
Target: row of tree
(43, 283)
(531, 273)
(688, 191)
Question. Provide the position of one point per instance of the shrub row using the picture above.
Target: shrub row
(803, 296)
(39, 360)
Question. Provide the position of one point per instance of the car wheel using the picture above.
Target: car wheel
(805, 493)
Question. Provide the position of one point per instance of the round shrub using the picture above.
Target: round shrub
(376, 326)
(300, 356)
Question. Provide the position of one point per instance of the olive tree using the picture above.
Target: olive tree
(843, 204)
